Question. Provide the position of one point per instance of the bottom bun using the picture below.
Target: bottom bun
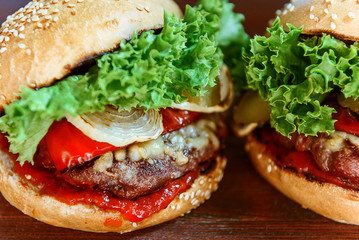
(92, 218)
(327, 199)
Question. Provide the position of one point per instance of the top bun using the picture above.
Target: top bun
(339, 18)
(45, 40)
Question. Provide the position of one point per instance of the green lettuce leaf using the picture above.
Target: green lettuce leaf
(231, 38)
(150, 71)
(294, 73)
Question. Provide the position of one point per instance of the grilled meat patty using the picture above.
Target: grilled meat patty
(142, 168)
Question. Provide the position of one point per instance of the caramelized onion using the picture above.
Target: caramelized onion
(216, 99)
(120, 128)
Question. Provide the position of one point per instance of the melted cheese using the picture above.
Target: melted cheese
(103, 163)
(337, 141)
(194, 136)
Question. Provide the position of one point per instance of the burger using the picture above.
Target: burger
(303, 78)
(111, 109)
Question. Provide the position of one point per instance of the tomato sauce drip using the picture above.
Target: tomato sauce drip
(300, 162)
(113, 222)
(133, 210)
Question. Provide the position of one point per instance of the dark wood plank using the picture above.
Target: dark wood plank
(245, 206)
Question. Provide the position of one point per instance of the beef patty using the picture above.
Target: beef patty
(337, 153)
(144, 167)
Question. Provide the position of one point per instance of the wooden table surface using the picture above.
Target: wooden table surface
(245, 206)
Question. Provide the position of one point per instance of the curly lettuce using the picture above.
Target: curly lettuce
(231, 37)
(294, 73)
(150, 71)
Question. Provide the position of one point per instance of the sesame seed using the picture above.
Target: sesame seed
(55, 1)
(35, 18)
(285, 11)
(3, 49)
(260, 155)
(28, 176)
(186, 197)
(326, 11)
(278, 12)
(194, 202)
(334, 16)
(66, 1)
(311, 8)
(7, 39)
(56, 18)
(350, 14)
(173, 207)
(48, 17)
(22, 36)
(181, 196)
(1, 78)
(208, 194)
(134, 224)
(73, 12)
(332, 25)
(192, 195)
(291, 7)
(80, 1)
(56, 10)
(316, 19)
(28, 51)
(201, 182)
(178, 206)
(139, 9)
(311, 16)
(71, 5)
(3, 97)
(198, 192)
(2, 39)
(147, 9)
(269, 168)
(39, 25)
(21, 45)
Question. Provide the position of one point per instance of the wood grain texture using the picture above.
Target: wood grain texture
(245, 206)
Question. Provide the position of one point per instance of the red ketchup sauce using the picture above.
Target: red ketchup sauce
(300, 162)
(133, 210)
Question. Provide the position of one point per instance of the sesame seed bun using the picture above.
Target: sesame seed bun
(329, 200)
(45, 40)
(22, 195)
(337, 18)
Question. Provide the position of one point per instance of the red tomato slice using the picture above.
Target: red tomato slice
(346, 122)
(174, 119)
(68, 146)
